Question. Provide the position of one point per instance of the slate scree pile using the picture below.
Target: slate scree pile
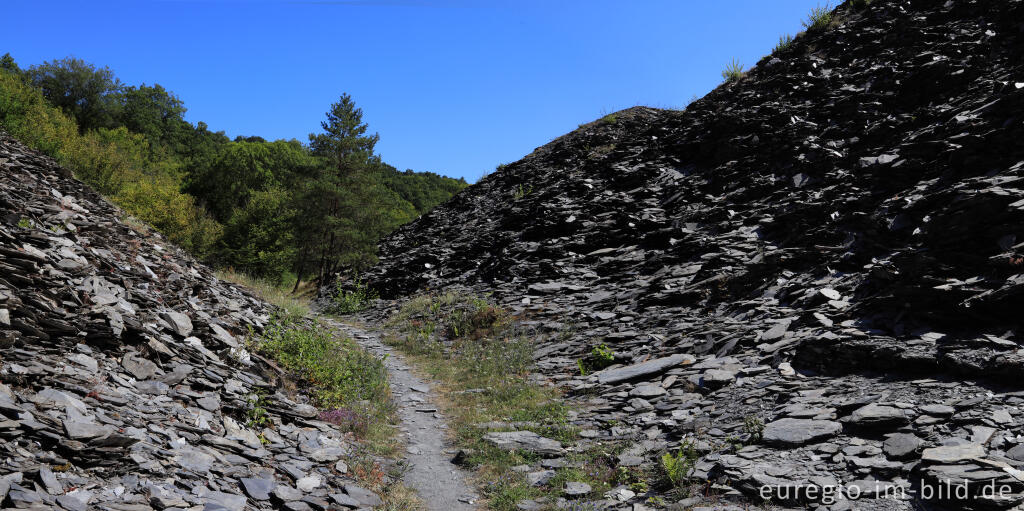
(833, 246)
(125, 383)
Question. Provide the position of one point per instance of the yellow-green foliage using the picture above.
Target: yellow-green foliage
(678, 467)
(157, 200)
(26, 115)
(117, 163)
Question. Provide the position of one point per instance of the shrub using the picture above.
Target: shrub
(157, 201)
(603, 356)
(348, 301)
(477, 319)
(819, 17)
(339, 374)
(256, 416)
(733, 71)
(784, 42)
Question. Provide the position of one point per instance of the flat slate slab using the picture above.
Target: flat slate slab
(524, 441)
(794, 432)
(642, 369)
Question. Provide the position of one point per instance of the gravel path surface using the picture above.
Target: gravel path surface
(440, 484)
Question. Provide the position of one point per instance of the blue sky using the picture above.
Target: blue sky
(452, 86)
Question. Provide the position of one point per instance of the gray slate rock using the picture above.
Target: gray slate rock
(791, 432)
(524, 441)
(658, 365)
(258, 488)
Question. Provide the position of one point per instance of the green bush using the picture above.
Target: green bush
(819, 17)
(733, 71)
(346, 301)
(339, 374)
(601, 356)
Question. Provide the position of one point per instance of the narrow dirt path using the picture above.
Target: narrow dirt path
(440, 484)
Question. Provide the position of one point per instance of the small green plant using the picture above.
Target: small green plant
(784, 42)
(609, 119)
(25, 223)
(600, 357)
(521, 191)
(733, 442)
(603, 356)
(347, 301)
(656, 501)
(733, 71)
(679, 466)
(819, 17)
(500, 167)
(256, 416)
(753, 426)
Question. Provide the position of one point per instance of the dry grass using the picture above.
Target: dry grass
(277, 294)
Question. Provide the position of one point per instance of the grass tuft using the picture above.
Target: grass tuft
(733, 72)
(785, 41)
(819, 17)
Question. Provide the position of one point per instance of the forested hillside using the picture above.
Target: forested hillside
(279, 209)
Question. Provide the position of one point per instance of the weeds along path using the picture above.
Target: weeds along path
(440, 484)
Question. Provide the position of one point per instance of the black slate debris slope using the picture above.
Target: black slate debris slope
(834, 245)
(124, 375)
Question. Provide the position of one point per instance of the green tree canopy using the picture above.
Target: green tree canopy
(241, 168)
(154, 112)
(344, 143)
(8, 64)
(89, 94)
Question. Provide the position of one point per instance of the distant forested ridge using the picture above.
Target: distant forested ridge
(279, 209)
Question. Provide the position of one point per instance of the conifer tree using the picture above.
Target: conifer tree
(344, 207)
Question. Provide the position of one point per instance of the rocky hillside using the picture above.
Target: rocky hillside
(832, 245)
(124, 379)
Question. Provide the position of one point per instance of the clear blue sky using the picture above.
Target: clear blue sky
(452, 86)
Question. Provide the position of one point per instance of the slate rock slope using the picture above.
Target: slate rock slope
(124, 376)
(835, 243)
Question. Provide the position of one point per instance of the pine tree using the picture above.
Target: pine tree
(344, 207)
